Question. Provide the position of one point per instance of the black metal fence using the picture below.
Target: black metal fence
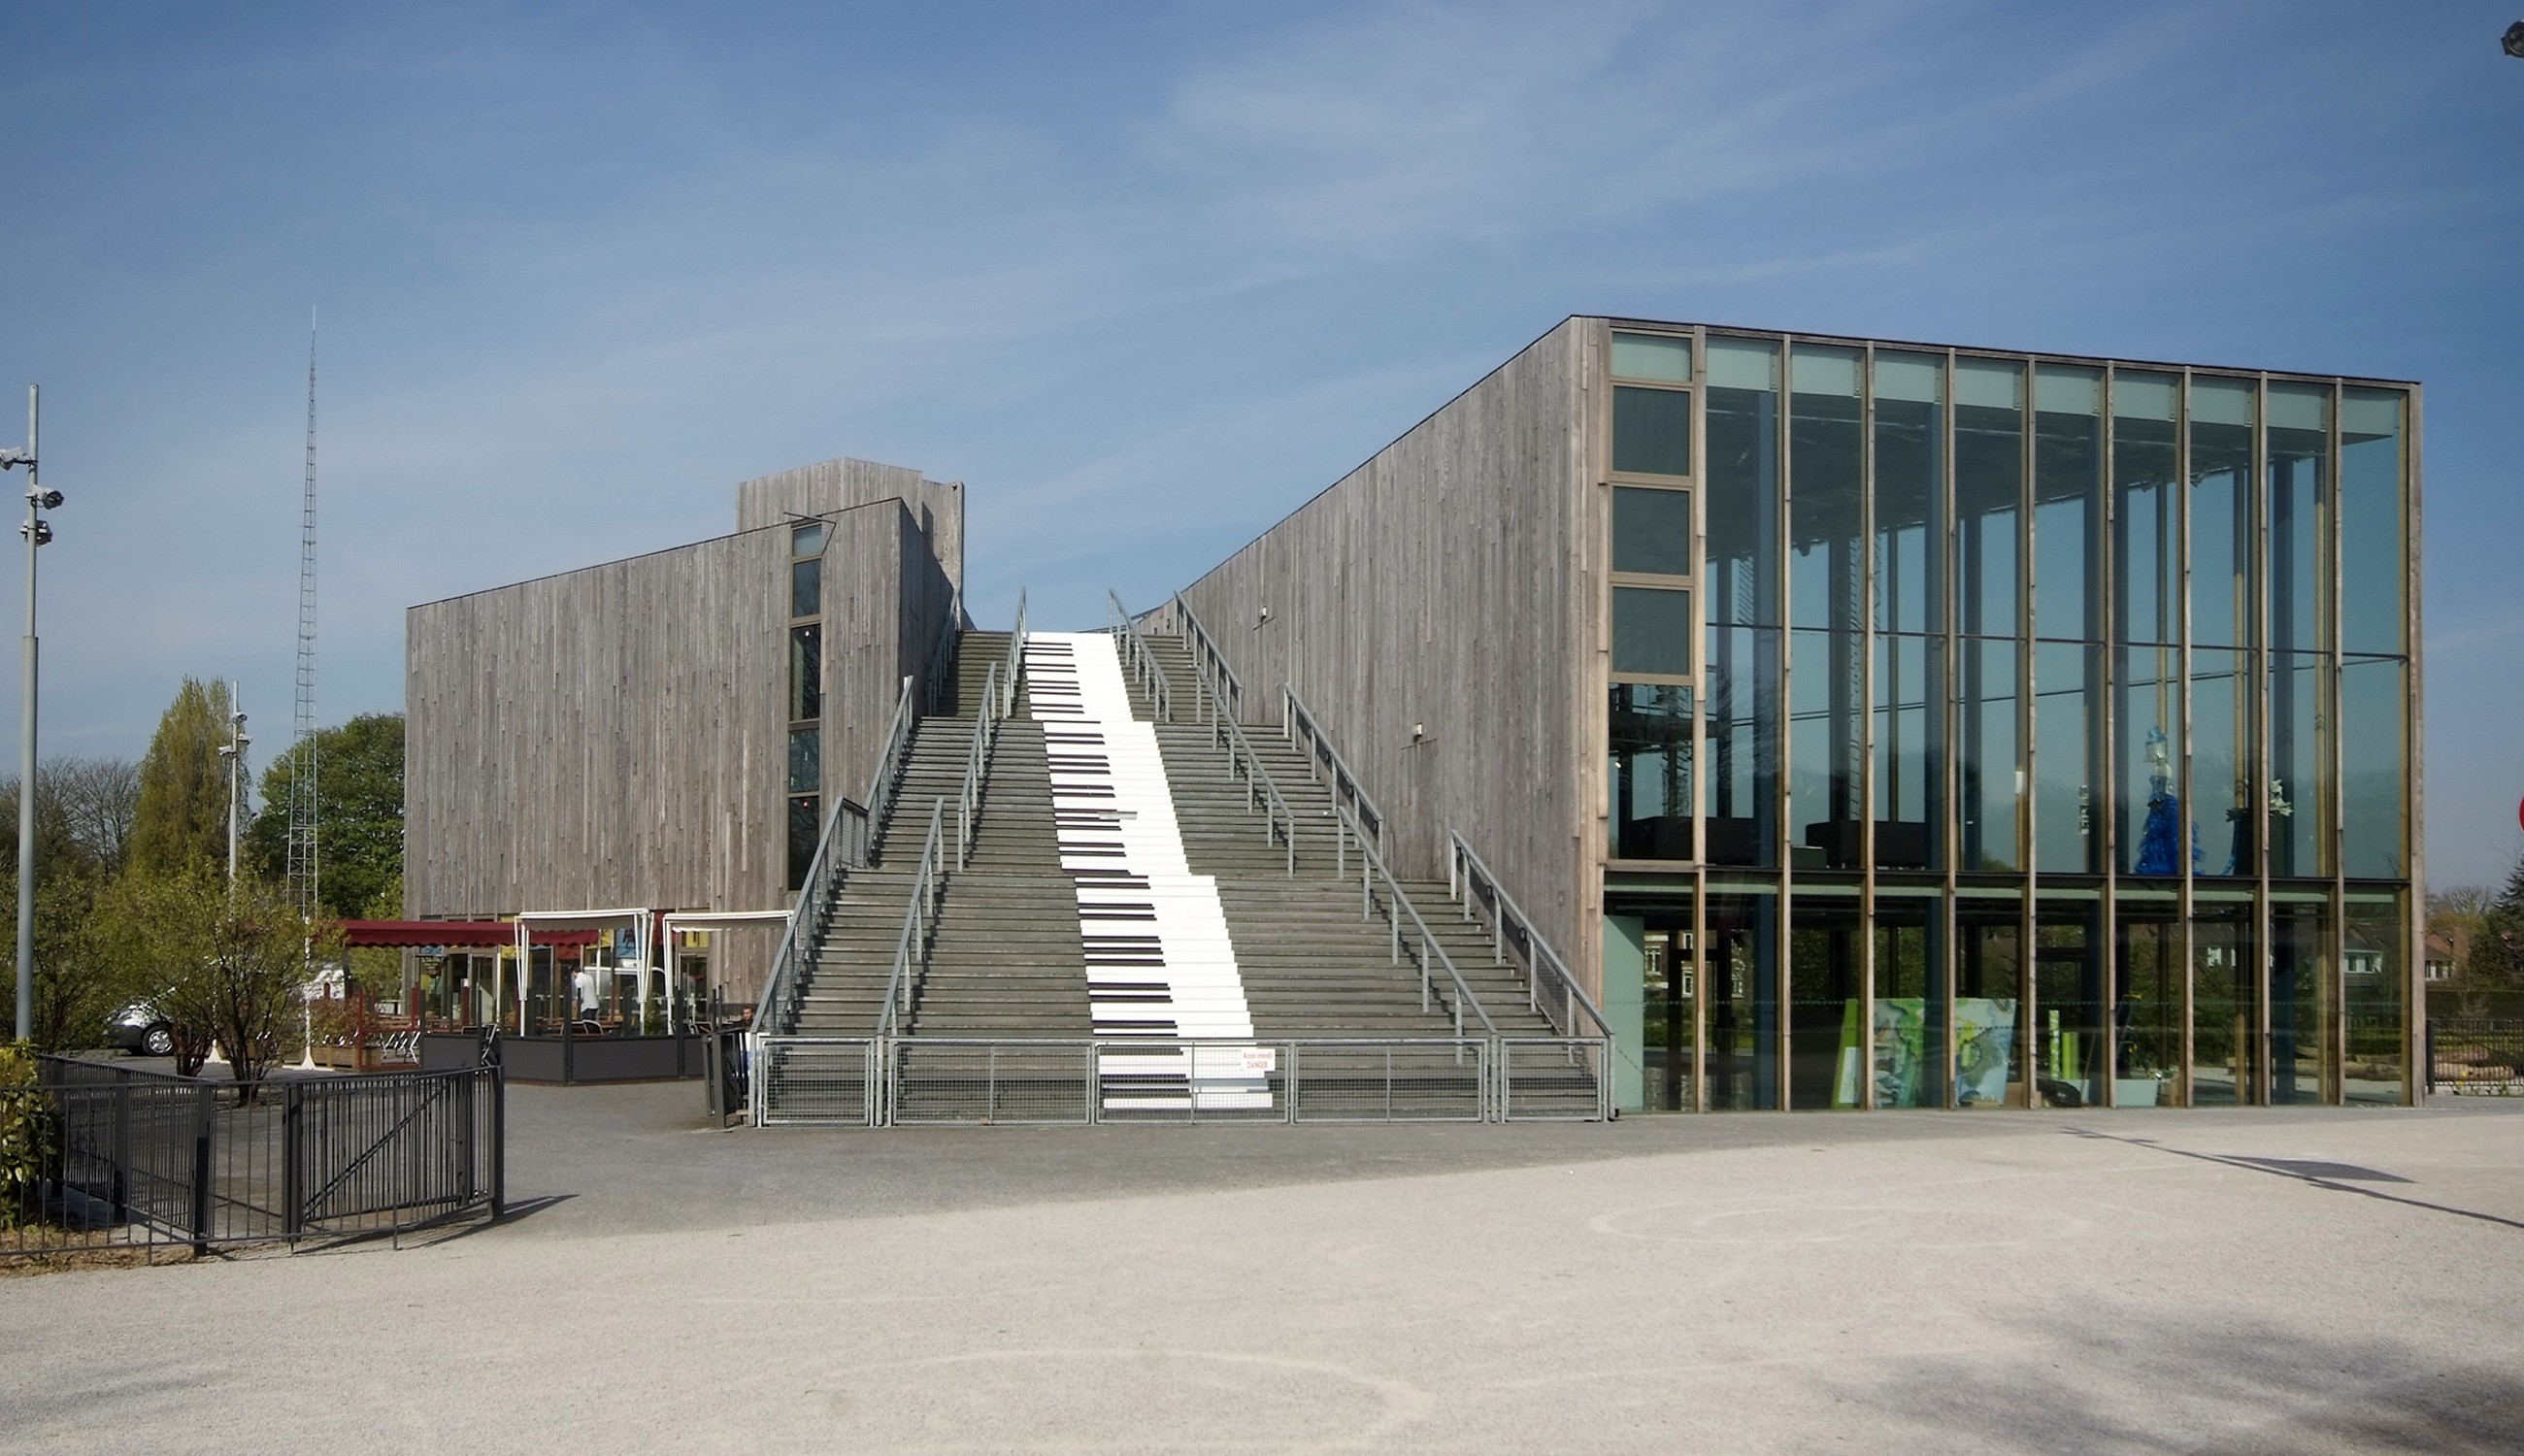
(2476, 1056)
(101, 1156)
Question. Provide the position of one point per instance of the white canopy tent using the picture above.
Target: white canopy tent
(683, 920)
(638, 918)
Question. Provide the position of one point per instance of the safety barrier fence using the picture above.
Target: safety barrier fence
(102, 1157)
(945, 1080)
(2475, 1056)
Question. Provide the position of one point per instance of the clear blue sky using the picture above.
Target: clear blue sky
(1148, 277)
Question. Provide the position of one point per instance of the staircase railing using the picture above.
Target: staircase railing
(1017, 661)
(941, 652)
(1550, 990)
(1138, 660)
(842, 846)
(888, 768)
(1298, 726)
(977, 767)
(1279, 822)
(1226, 692)
(1372, 871)
(919, 924)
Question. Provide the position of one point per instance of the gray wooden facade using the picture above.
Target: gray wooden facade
(618, 736)
(1427, 610)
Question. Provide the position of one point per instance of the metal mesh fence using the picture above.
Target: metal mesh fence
(935, 1080)
(1190, 1082)
(1440, 1080)
(2476, 1058)
(1563, 1079)
(815, 1080)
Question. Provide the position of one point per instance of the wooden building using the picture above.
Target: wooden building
(666, 731)
(1877, 723)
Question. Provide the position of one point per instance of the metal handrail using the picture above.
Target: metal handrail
(1141, 661)
(941, 652)
(1297, 718)
(1467, 877)
(1016, 660)
(919, 924)
(888, 767)
(977, 767)
(1224, 732)
(1226, 690)
(1371, 868)
(842, 845)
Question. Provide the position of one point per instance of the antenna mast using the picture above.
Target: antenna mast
(302, 777)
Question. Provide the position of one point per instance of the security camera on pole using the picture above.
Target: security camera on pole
(38, 532)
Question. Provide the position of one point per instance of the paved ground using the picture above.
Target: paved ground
(2210, 1282)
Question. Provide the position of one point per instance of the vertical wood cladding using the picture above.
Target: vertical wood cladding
(618, 735)
(837, 485)
(1445, 583)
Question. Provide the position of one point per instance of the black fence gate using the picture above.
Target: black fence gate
(102, 1157)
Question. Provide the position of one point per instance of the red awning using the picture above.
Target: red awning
(454, 933)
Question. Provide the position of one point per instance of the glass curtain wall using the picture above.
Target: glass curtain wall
(2053, 737)
(805, 697)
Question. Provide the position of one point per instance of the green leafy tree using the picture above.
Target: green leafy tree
(153, 928)
(181, 818)
(82, 814)
(225, 961)
(359, 816)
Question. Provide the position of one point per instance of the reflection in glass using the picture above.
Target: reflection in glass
(1824, 749)
(805, 760)
(2222, 512)
(1651, 772)
(807, 540)
(1651, 431)
(2373, 691)
(803, 830)
(2147, 1007)
(2303, 1067)
(1826, 456)
(2067, 493)
(2223, 1066)
(1743, 708)
(1652, 531)
(807, 587)
(1910, 1066)
(2069, 1002)
(2299, 802)
(1665, 1014)
(2222, 822)
(1664, 357)
(806, 672)
(1910, 752)
(2147, 550)
(1910, 492)
(1651, 631)
(2373, 979)
(2065, 678)
(2296, 530)
(2374, 550)
(1743, 999)
(2147, 697)
(1992, 769)
(1989, 996)
(1824, 1006)
(1989, 495)
(1743, 495)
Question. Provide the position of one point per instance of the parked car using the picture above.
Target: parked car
(139, 1027)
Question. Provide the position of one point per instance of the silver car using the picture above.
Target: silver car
(139, 1027)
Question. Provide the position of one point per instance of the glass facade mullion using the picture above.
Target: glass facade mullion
(2036, 769)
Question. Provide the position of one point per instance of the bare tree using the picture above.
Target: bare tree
(99, 799)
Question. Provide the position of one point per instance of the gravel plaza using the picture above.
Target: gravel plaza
(2267, 1280)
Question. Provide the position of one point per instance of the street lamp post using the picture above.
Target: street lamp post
(234, 752)
(37, 532)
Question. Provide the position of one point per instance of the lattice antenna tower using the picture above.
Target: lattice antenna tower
(303, 868)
